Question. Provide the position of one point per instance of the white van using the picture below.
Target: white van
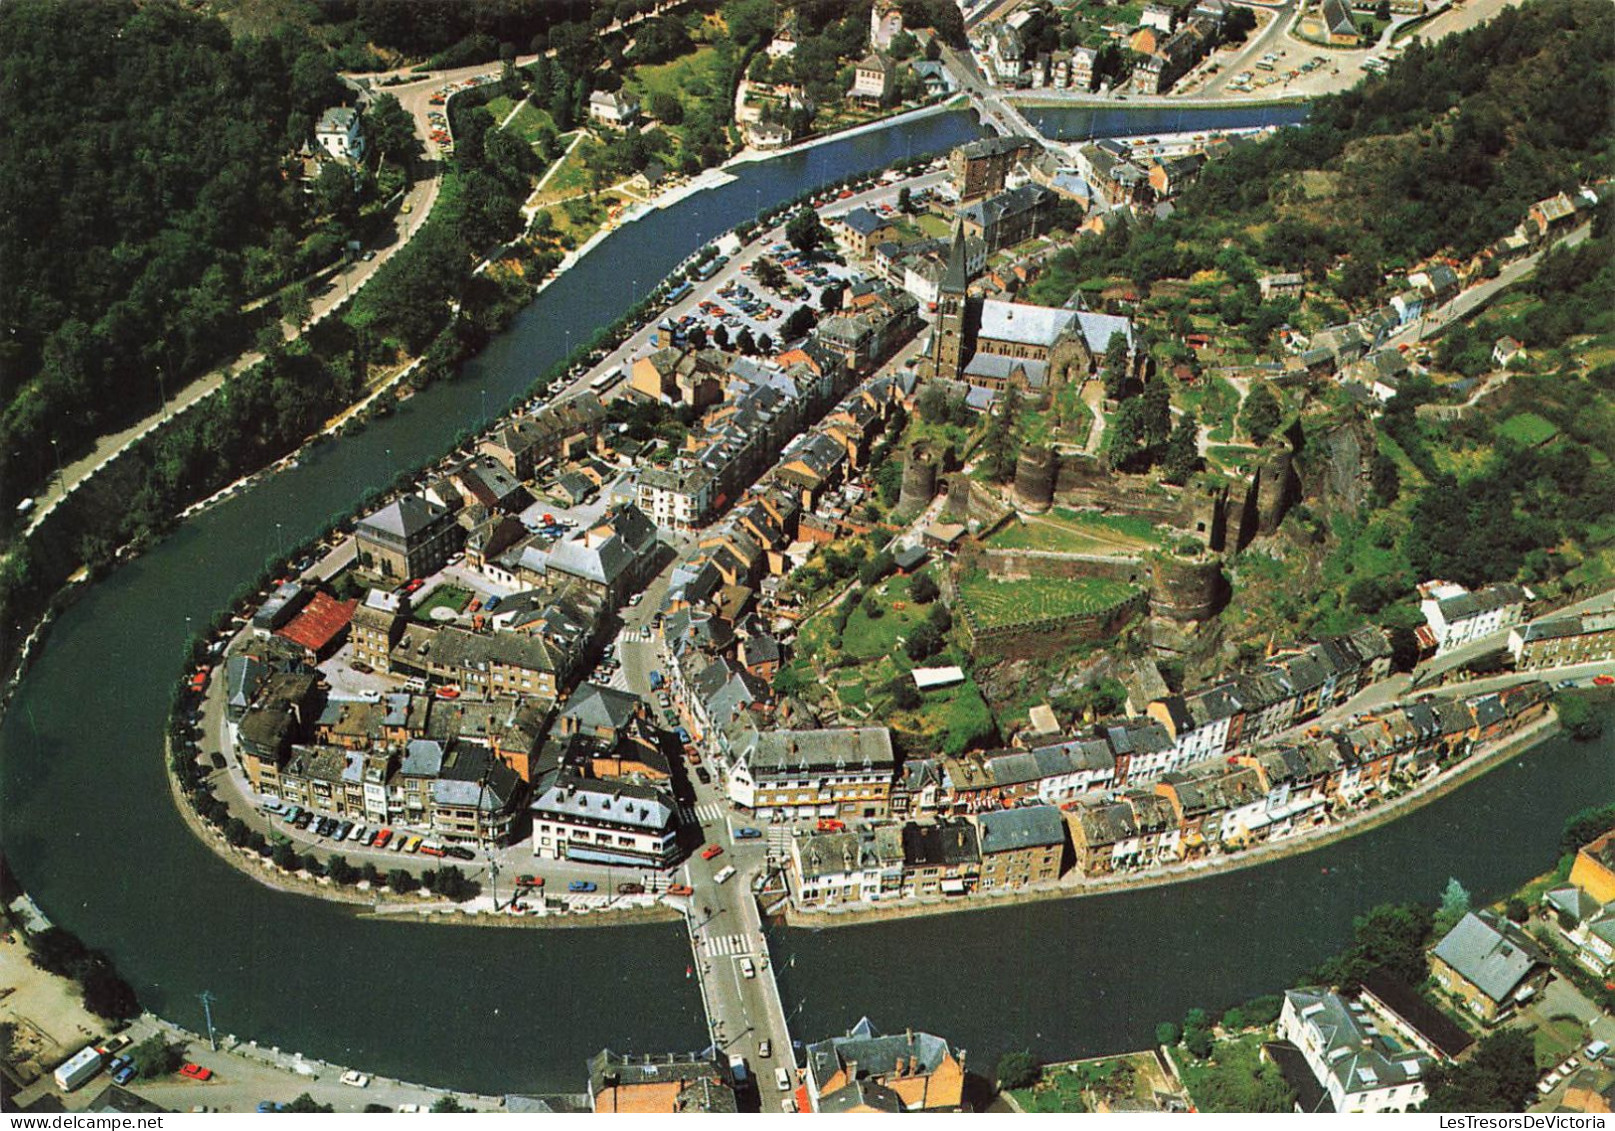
(1596, 1050)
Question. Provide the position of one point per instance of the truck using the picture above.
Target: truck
(737, 1067)
(82, 1066)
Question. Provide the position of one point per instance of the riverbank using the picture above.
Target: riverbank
(1487, 758)
(747, 155)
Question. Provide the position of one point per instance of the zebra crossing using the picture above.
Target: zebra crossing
(718, 946)
(704, 814)
(779, 841)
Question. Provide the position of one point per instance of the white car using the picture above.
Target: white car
(355, 1079)
(748, 968)
(783, 1079)
(723, 876)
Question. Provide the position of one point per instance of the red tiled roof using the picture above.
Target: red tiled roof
(320, 622)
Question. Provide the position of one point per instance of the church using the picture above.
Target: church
(990, 343)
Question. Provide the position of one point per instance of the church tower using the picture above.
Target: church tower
(947, 355)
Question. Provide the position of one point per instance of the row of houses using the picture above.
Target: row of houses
(1278, 791)
(1559, 641)
(1208, 809)
(863, 1070)
(756, 407)
(1583, 908)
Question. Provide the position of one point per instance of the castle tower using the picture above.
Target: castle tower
(885, 25)
(947, 356)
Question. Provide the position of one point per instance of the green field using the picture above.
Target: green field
(572, 175)
(528, 123)
(688, 78)
(1061, 1087)
(1075, 532)
(1527, 429)
(866, 639)
(998, 602)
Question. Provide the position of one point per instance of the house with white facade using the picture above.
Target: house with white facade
(1455, 615)
(1360, 1068)
(339, 133)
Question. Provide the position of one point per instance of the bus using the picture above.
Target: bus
(603, 382)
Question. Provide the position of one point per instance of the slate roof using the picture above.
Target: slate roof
(1490, 953)
(1355, 1052)
(874, 1055)
(601, 708)
(841, 748)
(1010, 830)
(563, 794)
(404, 517)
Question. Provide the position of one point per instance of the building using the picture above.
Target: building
(861, 865)
(1359, 1067)
(1594, 869)
(872, 78)
(604, 822)
(885, 25)
(1009, 217)
(861, 229)
(1578, 638)
(659, 1085)
(614, 557)
(340, 134)
(844, 772)
(1287, 285)
(613, 108)
(1456, 616)
(320, 627)
(1021, 846)
(409, 537)
(865, 1071)
(946, 355)
(981, 168)
(1414, 1017)
(1339, 23)
(1489, 964)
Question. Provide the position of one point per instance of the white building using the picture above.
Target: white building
(338, 133)
(1456, 616)
(1360, 1068)
(613, 108)
(885, 25)
(838, 772)
(604, 822)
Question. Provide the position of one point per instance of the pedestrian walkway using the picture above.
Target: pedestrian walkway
(779, 841)
(710, 812)
(731, 945)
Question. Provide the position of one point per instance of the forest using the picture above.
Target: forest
(1443, 153)
(145, 201)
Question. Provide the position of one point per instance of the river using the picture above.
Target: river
(89, 828)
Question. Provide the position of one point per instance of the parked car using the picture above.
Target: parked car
(355, 1079)
(723, 876)
(702, 776)
(765, 1049)
(581, 886)
(827, 825)
(459, 852)
(742, 832)
(630, 889)
(124, 1074)
(680, 889)
(748, 968)
(711, 851)
(266, 1106)
(195, 1071)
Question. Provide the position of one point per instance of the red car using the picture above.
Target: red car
(680, 889)
(196, 1072)
(413, 584)
(449, 692)
(711, 851)
(829, 826)
(1604, 681)
(530, 881)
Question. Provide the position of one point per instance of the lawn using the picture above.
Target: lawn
(866, 639)
(443, 597)
(1075, 532)
(572, 175)
(688, 78)
(1234, 1078)
(937, 227)
(529, 122)
(1556, 1039)
(1527, 429)
(499, 107)
(997, 602)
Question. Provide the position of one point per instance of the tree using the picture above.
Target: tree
(720, 336)
(1167, 1033)
(1454, 906)
(1017, 1070)
(805, 231)
(923, 589)
(905, 201)
(448, 1104)
(872, 607)
(285, 856)
(1384, 479)
(1584, 827)
(666, 108)
(1234, 1019)
(106, 994)
(294, 305)
(830, 297)
(1382, 10)
(939, 618)
(1124, 435)
(1182, 456)
(1516, 910)
(745, 342)
(1157, 413)
(999, 460)
(154, 1057)
(1391, 937)
(305, 1105)
(798, 323)
(1577, 717)
(905, 696)
(341, 871)
(923, 642)
(771, 275)
(390, 131)
(1499, 1076)
(1113, 367)
(1261, 414)
(402, 881)
(1199, 1042)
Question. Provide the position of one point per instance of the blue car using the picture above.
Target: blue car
(581, 885)
(684, 735)
(744, 833)
(124, 1074)
(270, 1106)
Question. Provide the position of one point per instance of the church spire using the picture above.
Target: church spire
(956, 280)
